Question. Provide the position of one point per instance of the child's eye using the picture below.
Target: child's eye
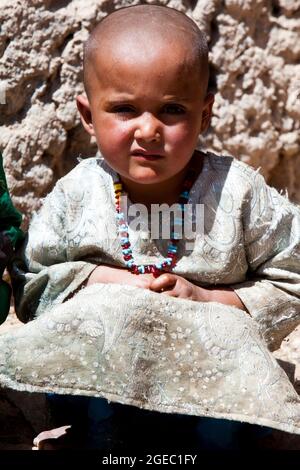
(173, 109)
(123, 109)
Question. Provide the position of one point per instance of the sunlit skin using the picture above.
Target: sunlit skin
(155, 105)
(146, 109)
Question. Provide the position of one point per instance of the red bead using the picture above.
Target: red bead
(151, 268)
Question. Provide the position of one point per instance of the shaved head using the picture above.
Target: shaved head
(146, 29)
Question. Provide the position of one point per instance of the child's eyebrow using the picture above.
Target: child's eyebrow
(176, 98)
(123, 98)
(117, 99)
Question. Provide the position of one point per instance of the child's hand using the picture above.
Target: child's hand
(113, 275)
(177, 286)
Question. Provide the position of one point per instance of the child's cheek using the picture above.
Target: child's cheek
(119, 139)
(178, 135)
(118, 130)
(124, 131)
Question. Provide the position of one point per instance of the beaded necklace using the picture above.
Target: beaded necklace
(167, 263)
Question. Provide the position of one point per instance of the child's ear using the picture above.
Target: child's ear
(207, 111)
(84, 109)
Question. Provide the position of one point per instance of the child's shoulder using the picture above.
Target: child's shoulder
(94, 168)
(93, 165)
(230, 176)
(225, 163)
(233, 172)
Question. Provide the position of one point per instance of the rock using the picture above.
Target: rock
(51, 439)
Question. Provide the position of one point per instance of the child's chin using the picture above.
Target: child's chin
(146, 176)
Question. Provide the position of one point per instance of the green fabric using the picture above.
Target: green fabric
(5, 294)
(11, 234)
(10, 218)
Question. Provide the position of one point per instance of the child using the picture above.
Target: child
(10, 234)
(167, 325)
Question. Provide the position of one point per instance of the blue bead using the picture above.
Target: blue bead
(129, 263)
(124, 240)
(141, 269)
(120, 216)
(126, 251)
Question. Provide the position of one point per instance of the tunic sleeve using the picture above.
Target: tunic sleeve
(43, 271)
(272, 244)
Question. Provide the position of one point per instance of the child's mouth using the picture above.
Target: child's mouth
(146, 156)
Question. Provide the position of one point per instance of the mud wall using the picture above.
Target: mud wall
(254, 52)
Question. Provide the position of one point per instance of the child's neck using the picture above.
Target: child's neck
(166, 192)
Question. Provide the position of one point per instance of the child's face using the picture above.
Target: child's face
(146, 111)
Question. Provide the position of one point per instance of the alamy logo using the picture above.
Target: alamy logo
(165, 222)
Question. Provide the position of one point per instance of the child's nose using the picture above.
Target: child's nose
(148, 128)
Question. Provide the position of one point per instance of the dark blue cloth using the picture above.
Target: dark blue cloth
(105, 425)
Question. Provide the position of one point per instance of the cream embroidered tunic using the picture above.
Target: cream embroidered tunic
(146, 349)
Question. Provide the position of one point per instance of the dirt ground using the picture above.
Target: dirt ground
(24, 415)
